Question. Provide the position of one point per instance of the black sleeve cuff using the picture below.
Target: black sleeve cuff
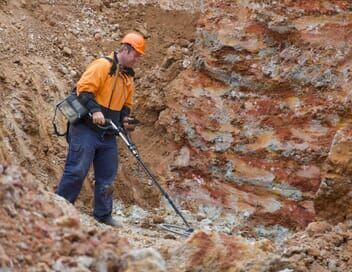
(125, 112)
(88, 100)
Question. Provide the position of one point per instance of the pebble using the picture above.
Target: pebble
(332, 265)
(170, 236)
(98, 36)
(143, 30)
(115, 36)
(115, 27)
(157, 219)
(62, 69)
(85, 261)
(73, 73)
(22, 245)
(201, 216)
(67, 51)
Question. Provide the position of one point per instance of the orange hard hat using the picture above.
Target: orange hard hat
(136, 41)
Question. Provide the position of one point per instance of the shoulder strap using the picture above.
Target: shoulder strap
(56, 131)
(113, 66)
(114, 85)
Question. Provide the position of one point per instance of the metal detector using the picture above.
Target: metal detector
(133, 149)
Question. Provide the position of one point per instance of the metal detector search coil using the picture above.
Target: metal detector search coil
(72, 108)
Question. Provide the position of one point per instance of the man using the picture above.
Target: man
(106, 89)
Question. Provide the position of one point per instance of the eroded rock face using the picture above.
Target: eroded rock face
(255, 120)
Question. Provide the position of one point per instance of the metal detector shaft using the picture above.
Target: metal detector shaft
(163, 192)
(135, 153)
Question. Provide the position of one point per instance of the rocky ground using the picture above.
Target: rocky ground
(245, 112)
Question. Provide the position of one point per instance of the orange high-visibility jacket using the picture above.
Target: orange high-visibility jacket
(96, 79)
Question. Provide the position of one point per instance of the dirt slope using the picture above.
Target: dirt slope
(45, 48)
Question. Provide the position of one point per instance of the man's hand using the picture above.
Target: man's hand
(98, 118)
(129, 123)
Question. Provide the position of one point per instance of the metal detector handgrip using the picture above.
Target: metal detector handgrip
(122, 135)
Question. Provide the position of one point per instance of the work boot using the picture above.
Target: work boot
(111, 222)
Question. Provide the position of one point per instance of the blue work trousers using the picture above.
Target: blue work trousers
(87, 146)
